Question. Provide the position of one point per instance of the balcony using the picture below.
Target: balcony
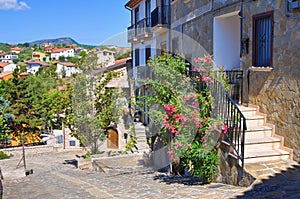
(140, 31)
(143, 28)
(159, 19)
(131, 33)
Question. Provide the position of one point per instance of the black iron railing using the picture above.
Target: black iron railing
(143, 26)
(234, 80)
(226, 109)
(131, 32)
(159, 16)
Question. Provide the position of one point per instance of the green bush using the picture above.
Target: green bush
(4, 156)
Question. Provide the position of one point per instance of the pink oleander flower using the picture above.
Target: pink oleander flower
(195, 104)
(202, 69)
(224, 129)
(203, 139)
(178, 117)
(184, 120)
(206, 132)
(179, 144)
(203, 78)
(207, 59)
(209, 80)
(185, 98)
(166, 123)
(197, 60)
(173, 130)
(193, 95)
(171, 154)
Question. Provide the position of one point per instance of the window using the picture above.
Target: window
(136, 15)
(137, 57)
(147, 53)
(60, 139)
(72, 143)
(148, 12)
(262, 39)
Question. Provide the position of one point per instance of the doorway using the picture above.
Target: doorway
(226, 47)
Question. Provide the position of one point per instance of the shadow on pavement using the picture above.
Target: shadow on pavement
(73, 162)
(179, 180)
(285, 184)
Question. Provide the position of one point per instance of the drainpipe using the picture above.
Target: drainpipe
(131, 83)
(241, 15)
(286, 10)
(169, 26)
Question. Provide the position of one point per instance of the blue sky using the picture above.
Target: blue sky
(92, 22)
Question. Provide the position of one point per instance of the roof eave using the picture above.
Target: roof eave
(132, 3)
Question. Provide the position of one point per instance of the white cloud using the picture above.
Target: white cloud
(13, 5)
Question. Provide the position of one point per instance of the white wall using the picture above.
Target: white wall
(10, 67)
(227, 41)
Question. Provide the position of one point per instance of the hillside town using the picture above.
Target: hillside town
(203, 104)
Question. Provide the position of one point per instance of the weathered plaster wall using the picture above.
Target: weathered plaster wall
(277, 92)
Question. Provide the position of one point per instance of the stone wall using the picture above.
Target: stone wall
(34, 150)
(277, 92)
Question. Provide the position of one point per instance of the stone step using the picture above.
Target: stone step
(257, 132)
(265, 155)
(255, 120)
(259, 144)
(248, 111)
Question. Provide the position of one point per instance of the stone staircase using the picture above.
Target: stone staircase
(261, 142)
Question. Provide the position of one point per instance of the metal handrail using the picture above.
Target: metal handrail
(226, 109)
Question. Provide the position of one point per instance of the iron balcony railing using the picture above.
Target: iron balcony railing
(159, 16)
(226, 109)
(143, 27)
(131, 32)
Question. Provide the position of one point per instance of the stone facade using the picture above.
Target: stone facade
(275, 90)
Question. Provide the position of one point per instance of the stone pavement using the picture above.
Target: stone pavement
(55, 176)
(274, 179)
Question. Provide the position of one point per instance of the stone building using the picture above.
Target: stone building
(261, 38)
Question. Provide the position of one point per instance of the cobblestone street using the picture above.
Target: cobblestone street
(54, 176)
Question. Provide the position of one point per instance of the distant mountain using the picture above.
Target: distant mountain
(62, 40)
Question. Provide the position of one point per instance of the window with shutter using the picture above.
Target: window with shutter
(262, 40)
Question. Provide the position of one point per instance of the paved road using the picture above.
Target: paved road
(55, 176)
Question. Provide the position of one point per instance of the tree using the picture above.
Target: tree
(92, 105)
(61, 58)
(5, 120)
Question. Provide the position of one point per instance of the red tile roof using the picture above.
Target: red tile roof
(66, 63)
(33, 61)
(6, 75)
(58, 50)
(3, 64)
(16, 49)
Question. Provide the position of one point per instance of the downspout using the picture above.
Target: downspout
(131, 82)
(169, 26)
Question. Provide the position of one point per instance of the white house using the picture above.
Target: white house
(65, 52)
(148, 35)
(32, 66)
(16, 50)
(8, 57)
(6, 66)
(66, 69)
